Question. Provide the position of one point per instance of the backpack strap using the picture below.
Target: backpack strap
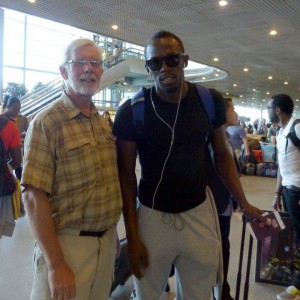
(292, 136)
(3, 122)
(208, 102)
(138, 108)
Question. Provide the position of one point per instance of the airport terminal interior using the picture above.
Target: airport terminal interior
(247, 50)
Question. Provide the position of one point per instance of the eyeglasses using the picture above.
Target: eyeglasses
(171, 60)
(83, 62)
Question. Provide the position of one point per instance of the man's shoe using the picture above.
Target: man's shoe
(291, 293)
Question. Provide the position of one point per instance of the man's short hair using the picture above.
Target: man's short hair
(284, 102)
(66, 56)
(164, 34)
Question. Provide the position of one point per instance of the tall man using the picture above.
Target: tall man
(72, 194)
(175, 223)
(280, 109)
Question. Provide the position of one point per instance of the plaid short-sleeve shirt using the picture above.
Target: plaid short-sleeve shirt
(72, 158)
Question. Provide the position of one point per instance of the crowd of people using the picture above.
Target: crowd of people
(78, 174)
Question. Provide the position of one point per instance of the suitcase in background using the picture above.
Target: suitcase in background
(269, 153)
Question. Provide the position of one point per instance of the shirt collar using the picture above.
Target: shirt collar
(72, 109)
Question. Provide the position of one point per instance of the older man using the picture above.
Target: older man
(72, 195)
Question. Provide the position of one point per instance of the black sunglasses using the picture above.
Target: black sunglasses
(156, 63)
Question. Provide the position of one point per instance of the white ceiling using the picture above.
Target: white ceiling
(238, 34)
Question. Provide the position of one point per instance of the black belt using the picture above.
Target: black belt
(292, 187)
(92, 233)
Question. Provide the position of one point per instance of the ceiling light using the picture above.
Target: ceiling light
(217, 75)
(270, 77)
(268, 93)
(216, 59)
(286, 82)
(254, 90)
(243, 102)
(241, 96)
(31, 1)
(264, 100)
(253, 98)
(246, 70)
(234, 84)
(273, 32)
(223, 3)
(297, 100)
(114, 27)
(203, 77)
(227, 93)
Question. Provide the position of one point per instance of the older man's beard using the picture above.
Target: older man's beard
(88, 91)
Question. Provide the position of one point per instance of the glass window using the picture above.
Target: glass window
(12, 75)
(33, 77)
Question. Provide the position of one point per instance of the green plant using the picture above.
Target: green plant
(15, 90)
(37, 86)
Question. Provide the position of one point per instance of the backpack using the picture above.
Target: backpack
(292, 135)
(138, 106)
(7, 181)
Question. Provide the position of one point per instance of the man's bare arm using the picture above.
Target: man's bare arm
(61, 277)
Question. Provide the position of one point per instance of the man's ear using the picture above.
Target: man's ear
(63, 72)
(186, 60)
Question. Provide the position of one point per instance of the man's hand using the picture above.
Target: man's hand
(276, 203)
(62, 282)
(138, 257)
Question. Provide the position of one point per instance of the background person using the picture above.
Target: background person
(9, 134)
(176, 223)
(225, 203)
(12, 107)
(280, 110)
(238, 139)
(71, 189)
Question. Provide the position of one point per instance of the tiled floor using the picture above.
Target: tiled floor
(16, 253)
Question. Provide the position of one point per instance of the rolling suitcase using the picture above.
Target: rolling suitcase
(240, 266)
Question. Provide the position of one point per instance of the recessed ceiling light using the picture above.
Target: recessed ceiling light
(217, 75)
(286, 82)
(31, 1)
(297, 100)
(270, 77)
(114, 27)
(253, 98)
(223, 3)
(254, 90)
(234, 84)
(216, 59)
(264, 100)
(243, 102)
(268, 93)
(273, 32)
(246, 69)
(203, 77)
(241, 96)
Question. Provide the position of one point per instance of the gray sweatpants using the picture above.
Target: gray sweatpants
(189, 240)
